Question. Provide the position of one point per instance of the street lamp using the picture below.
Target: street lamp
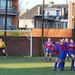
(5, 24)
(42, 27)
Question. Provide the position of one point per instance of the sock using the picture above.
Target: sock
(49, 59)
(45, 58)
(59, 65)
(62, 65)
(4, 54)
(72, 64)
(55, 65)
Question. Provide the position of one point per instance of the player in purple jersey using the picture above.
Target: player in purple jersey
(55, 49)
(48, 47)
(71, 50)
(61, 55)
(66, 41)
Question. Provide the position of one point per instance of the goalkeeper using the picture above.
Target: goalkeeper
(2, 48)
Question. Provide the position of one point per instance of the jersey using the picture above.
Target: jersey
(48, 45)
(2, 44)
(60, 50)
(71, 47)
(61, 47)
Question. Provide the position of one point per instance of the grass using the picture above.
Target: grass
(30, 66)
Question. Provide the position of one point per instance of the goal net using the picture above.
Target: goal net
(27, 33)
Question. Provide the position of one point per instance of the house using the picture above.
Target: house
(12, 14)
(26, 20)
(55, 16)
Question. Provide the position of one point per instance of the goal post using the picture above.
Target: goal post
(29, 37)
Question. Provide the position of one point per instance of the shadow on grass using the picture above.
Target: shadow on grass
(34, 71)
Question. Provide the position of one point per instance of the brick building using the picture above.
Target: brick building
(12, 13)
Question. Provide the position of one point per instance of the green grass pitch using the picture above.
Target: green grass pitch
(30, 66)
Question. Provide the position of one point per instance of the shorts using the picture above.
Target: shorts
(1, 49)
(57, 56)
(62, 56)
(70, 53)
(49, 51)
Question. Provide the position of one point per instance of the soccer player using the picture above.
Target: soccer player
(48, 47)
(66, 41)
(2, 47)
(61, 55)
(71, 47)
(55, 49)
(62, 50)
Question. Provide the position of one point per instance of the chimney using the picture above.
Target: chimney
(39, 10)
(51, 3)
(62, 13)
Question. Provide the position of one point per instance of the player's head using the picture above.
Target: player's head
(71, 40)
(66, 40)
(53, 43)
(61, 40)
(49, 39)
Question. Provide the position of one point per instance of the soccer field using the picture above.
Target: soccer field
(30, 66)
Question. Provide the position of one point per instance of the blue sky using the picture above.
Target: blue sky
(32, 3)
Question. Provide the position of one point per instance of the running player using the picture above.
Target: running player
(2, 47)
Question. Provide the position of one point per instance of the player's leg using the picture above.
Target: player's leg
(72, 60)
(55, 64)
(4, 53)
(63, 61)
(60, 61)
(59, 65)
(46, 55)
(67, 57)
(50, 55)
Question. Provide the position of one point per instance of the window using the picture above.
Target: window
(47, 24)
(9, 4)
(1, 21)
(65, 25)
(3, 4)
(9, 21)
(57, 25)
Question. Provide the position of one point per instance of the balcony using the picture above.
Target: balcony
(10, 11)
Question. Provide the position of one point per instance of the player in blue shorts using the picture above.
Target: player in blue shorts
(61, 55)
(66, 41)
(48, 47)
(55, 49)
(71, 48)
(61, 48)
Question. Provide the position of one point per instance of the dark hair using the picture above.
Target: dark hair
(53, 42)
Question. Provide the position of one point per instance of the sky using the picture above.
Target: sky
(28, 4)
